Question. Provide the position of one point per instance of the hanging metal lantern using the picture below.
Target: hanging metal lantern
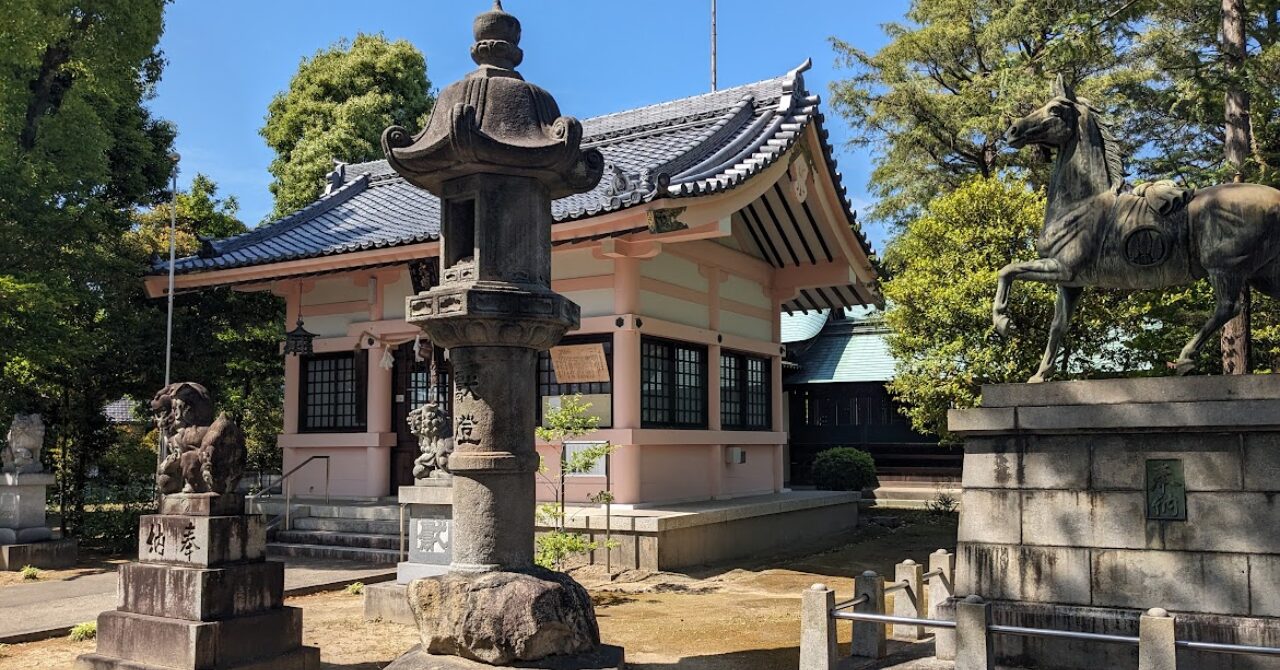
(297, 342)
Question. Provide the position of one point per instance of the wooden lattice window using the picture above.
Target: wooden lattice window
(673, 392)
(746, 392)
(333, 393)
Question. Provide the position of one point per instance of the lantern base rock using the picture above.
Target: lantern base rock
(533, 618)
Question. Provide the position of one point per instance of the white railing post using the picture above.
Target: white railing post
(1157, 649)
(941, 588)
(942, 562)
(973, 635)
(908, 602)
(868, 636)
(817, 629)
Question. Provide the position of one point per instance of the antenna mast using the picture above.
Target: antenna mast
(713, 45)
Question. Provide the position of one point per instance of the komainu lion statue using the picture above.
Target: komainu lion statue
(21, 452)
(431, 425)
(202, 454)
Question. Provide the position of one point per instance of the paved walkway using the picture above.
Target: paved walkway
(49, 609)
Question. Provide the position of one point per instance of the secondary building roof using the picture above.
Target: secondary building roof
(849, 349)
(688, 147)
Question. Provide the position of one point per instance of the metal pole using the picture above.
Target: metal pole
(163, 447)
(608, 519)
(713, 45)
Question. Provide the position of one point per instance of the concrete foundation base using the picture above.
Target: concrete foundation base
(607, 657)
(388, 602)
(47, 555)
(305, 658)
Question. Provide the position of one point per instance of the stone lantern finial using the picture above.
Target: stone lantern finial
(497, 39)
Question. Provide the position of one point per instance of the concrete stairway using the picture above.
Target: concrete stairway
(353, 530)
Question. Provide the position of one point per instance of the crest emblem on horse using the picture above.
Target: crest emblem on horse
(1098, 232)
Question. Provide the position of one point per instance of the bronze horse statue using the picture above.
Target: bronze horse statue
(1099, 233)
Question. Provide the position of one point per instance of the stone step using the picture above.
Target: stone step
(363, 554)
(339, 539)
(344, 510)
(368, 526)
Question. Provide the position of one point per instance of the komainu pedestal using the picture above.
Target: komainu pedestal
(25, 539)
(1086, 503)
(201, 596)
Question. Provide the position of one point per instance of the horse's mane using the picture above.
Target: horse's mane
(1110, 146)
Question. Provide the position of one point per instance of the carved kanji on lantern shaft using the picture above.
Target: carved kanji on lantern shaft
(496, 151)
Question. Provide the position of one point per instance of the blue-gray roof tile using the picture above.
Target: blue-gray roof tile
(688, 147)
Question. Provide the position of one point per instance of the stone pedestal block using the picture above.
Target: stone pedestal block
(24, 537)
(203, 504)
(201, 594)
(1088, 502)
(203, 597)
(207, 541)
(431, 529)
(47, 555)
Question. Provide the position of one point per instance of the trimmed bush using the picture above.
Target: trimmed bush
(84, 632)
(844, 469)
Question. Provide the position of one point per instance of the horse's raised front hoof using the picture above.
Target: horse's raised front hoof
(1003, 324)
(1183, 367)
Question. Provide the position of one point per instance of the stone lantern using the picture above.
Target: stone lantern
(496, 151)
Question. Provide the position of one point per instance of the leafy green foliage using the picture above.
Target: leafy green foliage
(336, 107)
(571, 419)
(844, 469)
(83, 632)
(30, 573)
(354, 588)
(937, 98)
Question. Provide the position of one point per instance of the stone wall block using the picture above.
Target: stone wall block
(1211, 461)
(990, 516)
(1113, 520)
(1226, 522)
(991, 463)
(1262, 462)
(1264, 584)
(989, 570)
(1056, 462)
(1179, 581)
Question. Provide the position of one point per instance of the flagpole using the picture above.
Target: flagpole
(168, 337)
(713, 45)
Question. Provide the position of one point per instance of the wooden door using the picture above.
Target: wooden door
(414, 383)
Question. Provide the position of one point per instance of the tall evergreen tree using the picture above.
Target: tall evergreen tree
(336, 107)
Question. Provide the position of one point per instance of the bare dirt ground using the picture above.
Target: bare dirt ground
(88, 564)
(740, 618)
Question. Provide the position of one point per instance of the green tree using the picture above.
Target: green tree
(336, 107)
(225, 339)
(937, 98)
(79, 151)
(941, 272)
(572, 419)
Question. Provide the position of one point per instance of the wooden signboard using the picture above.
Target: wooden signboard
(580, 363)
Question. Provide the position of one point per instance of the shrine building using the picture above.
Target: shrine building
(717, 214)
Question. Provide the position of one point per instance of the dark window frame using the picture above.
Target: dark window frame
(546, 377)
(667, 398)
(742, 405)
(359, 393)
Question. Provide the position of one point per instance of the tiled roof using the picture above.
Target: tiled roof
(688, 147)
(852, 349)
(802, 326)
(121, 411)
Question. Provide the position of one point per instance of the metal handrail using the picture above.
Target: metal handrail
(897, 586)
(1220, 647)
(852, 602)
(283, 483)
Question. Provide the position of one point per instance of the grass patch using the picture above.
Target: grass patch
(355, 588)
(84, 632)
(30, 573)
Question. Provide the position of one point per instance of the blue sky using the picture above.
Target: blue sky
(227, 59)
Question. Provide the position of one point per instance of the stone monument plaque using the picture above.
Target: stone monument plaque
(1166, 490)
